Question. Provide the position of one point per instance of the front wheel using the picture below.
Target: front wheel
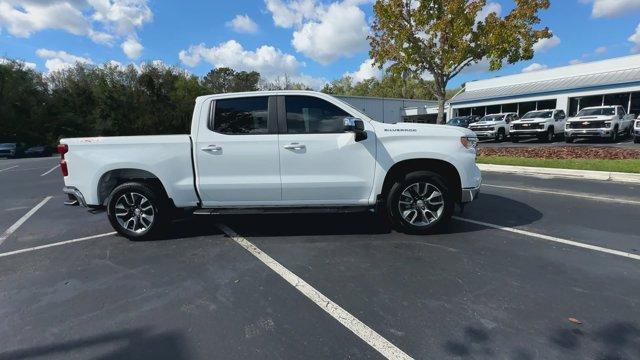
(501, 136)
(614, 135)
(137, 211)
(420, 203)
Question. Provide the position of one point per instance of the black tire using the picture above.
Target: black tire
(614, 135)
(636, 140)
(568, 139)
(551, 135)
(515, 139)
(501, 136)
(441, 216)
(133, 193)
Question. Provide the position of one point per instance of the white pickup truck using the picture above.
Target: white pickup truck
(605, 122)
(542, 124)
(283, 151)
(494, 127)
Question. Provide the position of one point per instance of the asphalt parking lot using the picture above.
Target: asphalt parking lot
(503, 281)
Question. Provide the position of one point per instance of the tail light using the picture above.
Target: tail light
(63, 149)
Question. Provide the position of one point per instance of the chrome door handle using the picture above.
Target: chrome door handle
(295, 146)
(212, 148)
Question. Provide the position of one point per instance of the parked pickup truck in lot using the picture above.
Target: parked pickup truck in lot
(495, 127)
(606, 122)
(542, 124)
(283, 151)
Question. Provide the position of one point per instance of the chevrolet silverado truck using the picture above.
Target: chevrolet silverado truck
(494, 127)
(542, 124)
(282, 151)
(605, 122)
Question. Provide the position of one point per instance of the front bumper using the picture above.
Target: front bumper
(528, 132)
(485, 134)
(75, 197)
(468, 195)
(577, 133)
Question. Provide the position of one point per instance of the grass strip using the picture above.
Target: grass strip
(625, 166)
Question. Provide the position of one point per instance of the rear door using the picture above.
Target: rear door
(237, 153)
(321, 163)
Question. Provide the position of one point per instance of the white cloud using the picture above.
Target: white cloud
(534, 67)
(267, 60)
(491, 7)
(544, 45)
(612, 8)
(291, 13)
(635, 38)
(575, 62)
(243, 24)
(366, 71)
(102, 21)
(601, 50)
(28, 65)
(477, 67)
(60, 60)
(340, 31)
(132, 48)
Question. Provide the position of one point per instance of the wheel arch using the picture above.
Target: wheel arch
(116, 177)
(440, 167)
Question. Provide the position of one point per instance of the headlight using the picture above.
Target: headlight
(607, 124)
(469, 142)
(638, 124)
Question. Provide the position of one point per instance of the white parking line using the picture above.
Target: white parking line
(22, 220)
(368, 335)
(576, 195)
(9, 168)
(49, 172)
(552, 238)
(22, 251)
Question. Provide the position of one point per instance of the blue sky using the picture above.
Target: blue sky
(312, 41)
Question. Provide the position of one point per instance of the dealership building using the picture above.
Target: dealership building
(571, 88)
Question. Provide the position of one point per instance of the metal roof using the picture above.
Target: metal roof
(618, 77)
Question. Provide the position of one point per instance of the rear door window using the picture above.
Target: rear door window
(242, 116)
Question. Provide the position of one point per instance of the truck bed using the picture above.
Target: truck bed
(166, 157)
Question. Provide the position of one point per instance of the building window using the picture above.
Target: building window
(547, 104)
(480, 110)
(574, 106)
(525, 107)
(617, 99)
(635, 104)
(464, 112)
(494, 109)
(509, 108)
(590, 101)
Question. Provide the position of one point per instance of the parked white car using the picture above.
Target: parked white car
(282, 151)
(542, 124)
(606, 122)
(636, 131)
(495, 127)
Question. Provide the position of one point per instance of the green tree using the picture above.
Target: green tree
(442, 37)
(225, 80)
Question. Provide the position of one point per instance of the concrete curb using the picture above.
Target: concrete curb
(563, 173)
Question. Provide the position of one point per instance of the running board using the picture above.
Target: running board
(281, 210)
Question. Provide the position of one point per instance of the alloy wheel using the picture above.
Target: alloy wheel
(134, 212)
(421, 204)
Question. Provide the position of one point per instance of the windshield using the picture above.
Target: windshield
(457, 121)
(538, 114)
(492, 118)
(597, 111)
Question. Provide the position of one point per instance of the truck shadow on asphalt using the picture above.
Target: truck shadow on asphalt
(130, 344)
(488, 208)
(615, 340)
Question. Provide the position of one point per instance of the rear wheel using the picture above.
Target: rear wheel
(137, 211)
(420, 203)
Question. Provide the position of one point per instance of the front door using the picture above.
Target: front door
(237, 154)
(321, 163)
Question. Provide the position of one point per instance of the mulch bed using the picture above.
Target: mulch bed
(564, 152)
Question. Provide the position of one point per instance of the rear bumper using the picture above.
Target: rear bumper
(75, 197)
(468, 195)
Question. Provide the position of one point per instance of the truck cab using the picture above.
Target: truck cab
(494, 127)
(542, 124)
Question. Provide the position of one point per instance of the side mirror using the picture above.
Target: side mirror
(356, 126)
